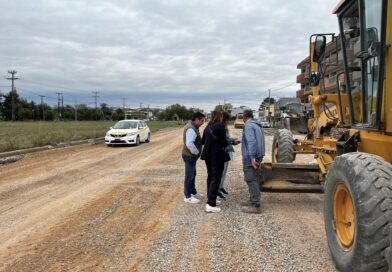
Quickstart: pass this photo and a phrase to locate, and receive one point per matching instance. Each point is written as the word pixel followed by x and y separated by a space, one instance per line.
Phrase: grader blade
pixel 291 178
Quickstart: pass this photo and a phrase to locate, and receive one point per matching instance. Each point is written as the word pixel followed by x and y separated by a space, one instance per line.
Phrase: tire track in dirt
pixel 78 196
pixel 63 180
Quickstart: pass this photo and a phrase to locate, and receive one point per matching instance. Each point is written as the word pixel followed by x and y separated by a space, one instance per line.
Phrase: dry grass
pixel 21 135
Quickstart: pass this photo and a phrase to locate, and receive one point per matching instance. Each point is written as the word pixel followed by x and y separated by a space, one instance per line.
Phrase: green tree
pixel 106 111
pixel 6 109
pixel 120 114
pixel 178 109
pixel 25 114
pixel 269 100
pixel 49 114
pixel 218 108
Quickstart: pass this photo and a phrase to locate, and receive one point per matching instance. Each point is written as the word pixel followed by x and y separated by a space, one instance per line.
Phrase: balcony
pixel 301 78
pixel 300 93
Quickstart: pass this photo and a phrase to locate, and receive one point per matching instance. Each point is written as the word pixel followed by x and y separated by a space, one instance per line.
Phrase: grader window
pixel 371 29
pixel 352 44
pixel 362 44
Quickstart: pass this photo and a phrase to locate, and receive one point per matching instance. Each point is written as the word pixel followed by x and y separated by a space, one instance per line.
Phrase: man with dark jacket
pixel 191 152
pixel 253 151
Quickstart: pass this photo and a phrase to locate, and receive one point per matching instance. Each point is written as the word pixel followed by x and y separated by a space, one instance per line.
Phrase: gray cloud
pixel 160 52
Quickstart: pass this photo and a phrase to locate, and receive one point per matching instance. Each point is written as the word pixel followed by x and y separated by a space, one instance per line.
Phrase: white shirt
pixel 190 138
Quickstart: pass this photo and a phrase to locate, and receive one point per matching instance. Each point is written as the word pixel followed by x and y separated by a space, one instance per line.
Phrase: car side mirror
pixel 319 48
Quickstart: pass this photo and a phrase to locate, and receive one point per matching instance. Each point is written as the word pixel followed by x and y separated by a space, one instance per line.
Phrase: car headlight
pixel 131 133
pixel 107 134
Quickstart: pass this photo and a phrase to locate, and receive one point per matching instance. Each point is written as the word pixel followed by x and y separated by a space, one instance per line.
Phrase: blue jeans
pixel 190 176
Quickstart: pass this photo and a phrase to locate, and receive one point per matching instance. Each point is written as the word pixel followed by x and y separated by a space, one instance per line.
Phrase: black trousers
pixel 214 176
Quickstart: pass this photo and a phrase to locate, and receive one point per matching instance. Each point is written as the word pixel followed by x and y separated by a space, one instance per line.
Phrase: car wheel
pixel 137 140
pixel 148 138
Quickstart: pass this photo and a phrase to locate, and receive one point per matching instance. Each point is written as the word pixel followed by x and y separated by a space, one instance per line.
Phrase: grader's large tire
pixel 283 146
pixel 358 212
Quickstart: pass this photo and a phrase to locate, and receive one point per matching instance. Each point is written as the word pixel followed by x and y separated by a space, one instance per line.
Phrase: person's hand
pixel 255 164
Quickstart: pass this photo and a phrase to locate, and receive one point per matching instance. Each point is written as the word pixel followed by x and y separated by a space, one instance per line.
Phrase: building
pixel 333 59
pixel 238 110
pixel 266 111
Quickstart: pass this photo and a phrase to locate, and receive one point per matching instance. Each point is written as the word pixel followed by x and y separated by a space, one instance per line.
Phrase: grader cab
pixel 351 139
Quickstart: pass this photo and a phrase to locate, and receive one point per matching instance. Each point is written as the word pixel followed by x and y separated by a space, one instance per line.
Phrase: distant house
pixel 266 111
pixel 239 110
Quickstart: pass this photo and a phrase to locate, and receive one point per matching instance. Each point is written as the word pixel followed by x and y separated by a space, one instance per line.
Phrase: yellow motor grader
pixel 351 139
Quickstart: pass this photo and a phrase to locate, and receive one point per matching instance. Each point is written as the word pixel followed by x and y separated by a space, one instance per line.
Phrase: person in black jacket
pixel 215 156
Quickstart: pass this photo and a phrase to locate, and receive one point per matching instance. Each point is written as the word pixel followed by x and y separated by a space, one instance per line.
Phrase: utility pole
pixel 76 111
pixel 123 99
pixel 269 105
pixel 62 104
pixel 13 78
pixel 42 107
pixel 58 104
pixel 96 103
pixel 141 104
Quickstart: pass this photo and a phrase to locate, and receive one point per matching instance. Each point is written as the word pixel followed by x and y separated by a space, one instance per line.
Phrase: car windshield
pixel 125 125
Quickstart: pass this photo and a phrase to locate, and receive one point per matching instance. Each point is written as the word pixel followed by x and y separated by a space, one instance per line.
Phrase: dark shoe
pixel 224 191
pixel 251 209
pixel 221 197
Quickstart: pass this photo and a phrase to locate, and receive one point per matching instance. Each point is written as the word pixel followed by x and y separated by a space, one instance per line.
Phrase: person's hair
pixel 197 115
pixel 216 117
pixel 248 113
pixel 225 119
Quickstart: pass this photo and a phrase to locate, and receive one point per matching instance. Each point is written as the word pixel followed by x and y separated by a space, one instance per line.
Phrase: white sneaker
pixel 198 195
pixel 211 209
pixel 191 200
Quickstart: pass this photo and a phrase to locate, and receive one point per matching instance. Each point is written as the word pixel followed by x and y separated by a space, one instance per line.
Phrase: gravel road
pixel 94 208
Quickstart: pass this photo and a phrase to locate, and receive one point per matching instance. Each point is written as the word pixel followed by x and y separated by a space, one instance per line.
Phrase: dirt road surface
pixel 94 208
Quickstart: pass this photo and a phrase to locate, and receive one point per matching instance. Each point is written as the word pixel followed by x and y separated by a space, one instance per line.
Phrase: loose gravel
pixel 287 236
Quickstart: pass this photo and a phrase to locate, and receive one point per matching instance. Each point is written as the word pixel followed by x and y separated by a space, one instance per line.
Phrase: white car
pixel 128 132
pixel 264 124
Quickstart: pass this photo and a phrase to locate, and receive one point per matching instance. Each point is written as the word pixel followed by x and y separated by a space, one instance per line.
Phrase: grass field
pixel 21 135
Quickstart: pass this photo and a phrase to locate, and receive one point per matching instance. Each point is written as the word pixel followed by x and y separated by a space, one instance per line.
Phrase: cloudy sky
pixel 196 53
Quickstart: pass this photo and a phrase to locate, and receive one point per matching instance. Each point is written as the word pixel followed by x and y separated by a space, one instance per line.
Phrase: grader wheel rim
pixel 344 216
pixel 276 151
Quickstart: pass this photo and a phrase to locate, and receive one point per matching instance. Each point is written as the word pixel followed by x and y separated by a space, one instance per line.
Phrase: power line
pixel 284 87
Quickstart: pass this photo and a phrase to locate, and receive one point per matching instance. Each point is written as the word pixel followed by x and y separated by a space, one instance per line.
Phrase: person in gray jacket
pixel 253 151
